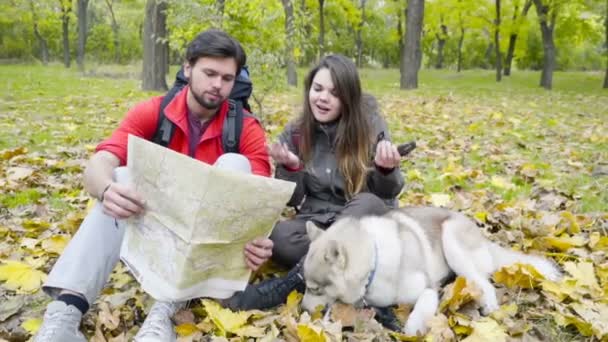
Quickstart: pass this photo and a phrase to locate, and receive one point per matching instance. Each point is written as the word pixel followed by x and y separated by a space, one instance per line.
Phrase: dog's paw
pixel 414 327
pixel 489 305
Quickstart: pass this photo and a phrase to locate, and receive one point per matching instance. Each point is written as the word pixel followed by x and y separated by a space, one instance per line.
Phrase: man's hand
pixel 257 252
pixel 387 156
pixel 121 201
pixel 282 155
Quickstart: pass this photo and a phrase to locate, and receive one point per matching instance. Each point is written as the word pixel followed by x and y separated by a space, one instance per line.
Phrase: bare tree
pixel 82 32
pixel 412 53
pixel 513 35
pixel 358 38
pixel 155 46
pixel 497 42
pixel 44 48
pixel 66 8
pixel 115 28
pixel 547 18
pixel 321 29
pixel 292 76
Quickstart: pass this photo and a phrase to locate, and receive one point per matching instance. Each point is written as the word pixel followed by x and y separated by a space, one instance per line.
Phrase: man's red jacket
pixel 142 121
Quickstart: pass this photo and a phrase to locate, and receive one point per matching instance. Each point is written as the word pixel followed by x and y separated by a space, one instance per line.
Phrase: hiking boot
pixel 158 326
pixel 269 293
pixel 61 323
pixel 386 316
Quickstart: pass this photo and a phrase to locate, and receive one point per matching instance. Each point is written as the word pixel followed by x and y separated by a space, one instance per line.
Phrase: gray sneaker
pixel 158 326
pixel 61 323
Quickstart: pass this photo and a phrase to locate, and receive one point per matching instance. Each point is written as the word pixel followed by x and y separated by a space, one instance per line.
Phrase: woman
pixel 339 155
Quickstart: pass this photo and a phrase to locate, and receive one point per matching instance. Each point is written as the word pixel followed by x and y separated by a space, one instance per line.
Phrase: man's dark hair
pixel 216 43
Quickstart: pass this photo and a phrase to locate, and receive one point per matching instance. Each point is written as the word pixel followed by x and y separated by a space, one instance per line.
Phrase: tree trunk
pixel 115 29
pixel 401 37
pixel 606 25
pixel 359 39
pixel 412 52
pixel 460 43
pixel 44 48
pixel 546 28
pixel 292 76
pixel 441 39
pixel 66 8
pixel 513 37
pixel 321 30
pixel 497 42
pixel 82 32
pixel 155 46
pixel 221 5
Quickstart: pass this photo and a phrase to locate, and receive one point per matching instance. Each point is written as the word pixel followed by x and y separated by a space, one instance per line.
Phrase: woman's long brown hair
pixel 353 138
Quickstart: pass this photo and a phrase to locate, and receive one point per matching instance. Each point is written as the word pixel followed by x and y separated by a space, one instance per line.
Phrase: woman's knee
pixel 365 203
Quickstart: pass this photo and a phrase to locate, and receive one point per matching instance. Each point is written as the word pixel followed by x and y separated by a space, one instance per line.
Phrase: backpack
pixel 233 125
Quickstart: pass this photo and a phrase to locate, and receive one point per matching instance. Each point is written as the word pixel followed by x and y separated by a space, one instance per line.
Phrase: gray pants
pixel 291 241
pixel 87 261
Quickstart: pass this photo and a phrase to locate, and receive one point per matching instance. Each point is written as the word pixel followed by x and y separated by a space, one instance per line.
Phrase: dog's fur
pixel 402 257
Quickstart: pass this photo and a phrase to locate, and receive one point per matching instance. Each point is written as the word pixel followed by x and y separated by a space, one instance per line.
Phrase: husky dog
pixel 402 257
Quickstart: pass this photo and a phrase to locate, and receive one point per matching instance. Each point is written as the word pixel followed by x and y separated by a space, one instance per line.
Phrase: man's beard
pixel 204 103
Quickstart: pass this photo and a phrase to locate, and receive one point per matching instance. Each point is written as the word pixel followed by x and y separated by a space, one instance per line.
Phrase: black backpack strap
pixel 233 125
pixel 165 128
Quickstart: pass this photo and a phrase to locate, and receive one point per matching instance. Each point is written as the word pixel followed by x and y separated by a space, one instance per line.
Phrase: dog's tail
pixel 506 257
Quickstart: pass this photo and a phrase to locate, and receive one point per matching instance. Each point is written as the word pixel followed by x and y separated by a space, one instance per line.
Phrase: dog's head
pixel 330 266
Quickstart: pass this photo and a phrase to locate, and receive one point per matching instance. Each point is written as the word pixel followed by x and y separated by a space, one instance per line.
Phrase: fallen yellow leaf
pixel 486 329
pixel 521 275
pixel 55 244
pixel 32 325
pixel 583 273
pixel 458 293
pixel 186 329
pixel 225 319
pixel 308 334
pixel 21 277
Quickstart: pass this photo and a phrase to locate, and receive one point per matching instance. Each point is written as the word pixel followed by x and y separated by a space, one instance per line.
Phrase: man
pixel 213 59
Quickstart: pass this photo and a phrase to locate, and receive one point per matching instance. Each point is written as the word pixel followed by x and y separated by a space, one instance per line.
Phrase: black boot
pixel 386 316
pixel 269 293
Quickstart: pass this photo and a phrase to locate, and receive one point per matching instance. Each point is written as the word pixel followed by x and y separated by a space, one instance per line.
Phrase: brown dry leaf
pixel 108 318
pixel 183 316
pixel 348 315
pixel 439 329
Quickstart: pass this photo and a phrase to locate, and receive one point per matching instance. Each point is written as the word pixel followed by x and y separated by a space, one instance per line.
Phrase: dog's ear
pixel 313 231
pixel 335 254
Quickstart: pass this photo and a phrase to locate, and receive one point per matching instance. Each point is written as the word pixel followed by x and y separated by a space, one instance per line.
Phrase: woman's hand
pixel 282 155
pixel 387 156
pixel 257 252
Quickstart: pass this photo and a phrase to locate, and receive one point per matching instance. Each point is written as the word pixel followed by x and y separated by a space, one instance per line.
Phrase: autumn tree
pixel 321 29
pixel 547 17
pixel 412 54
pixel 44 49
pixel 515 26
pixel 497 42
pixel 155 64
pixel 82 32
pixel 606 45
pixel 292 76
pixel 66 9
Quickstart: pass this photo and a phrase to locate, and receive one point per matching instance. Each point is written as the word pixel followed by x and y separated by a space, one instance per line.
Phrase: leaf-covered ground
pixel 530 166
